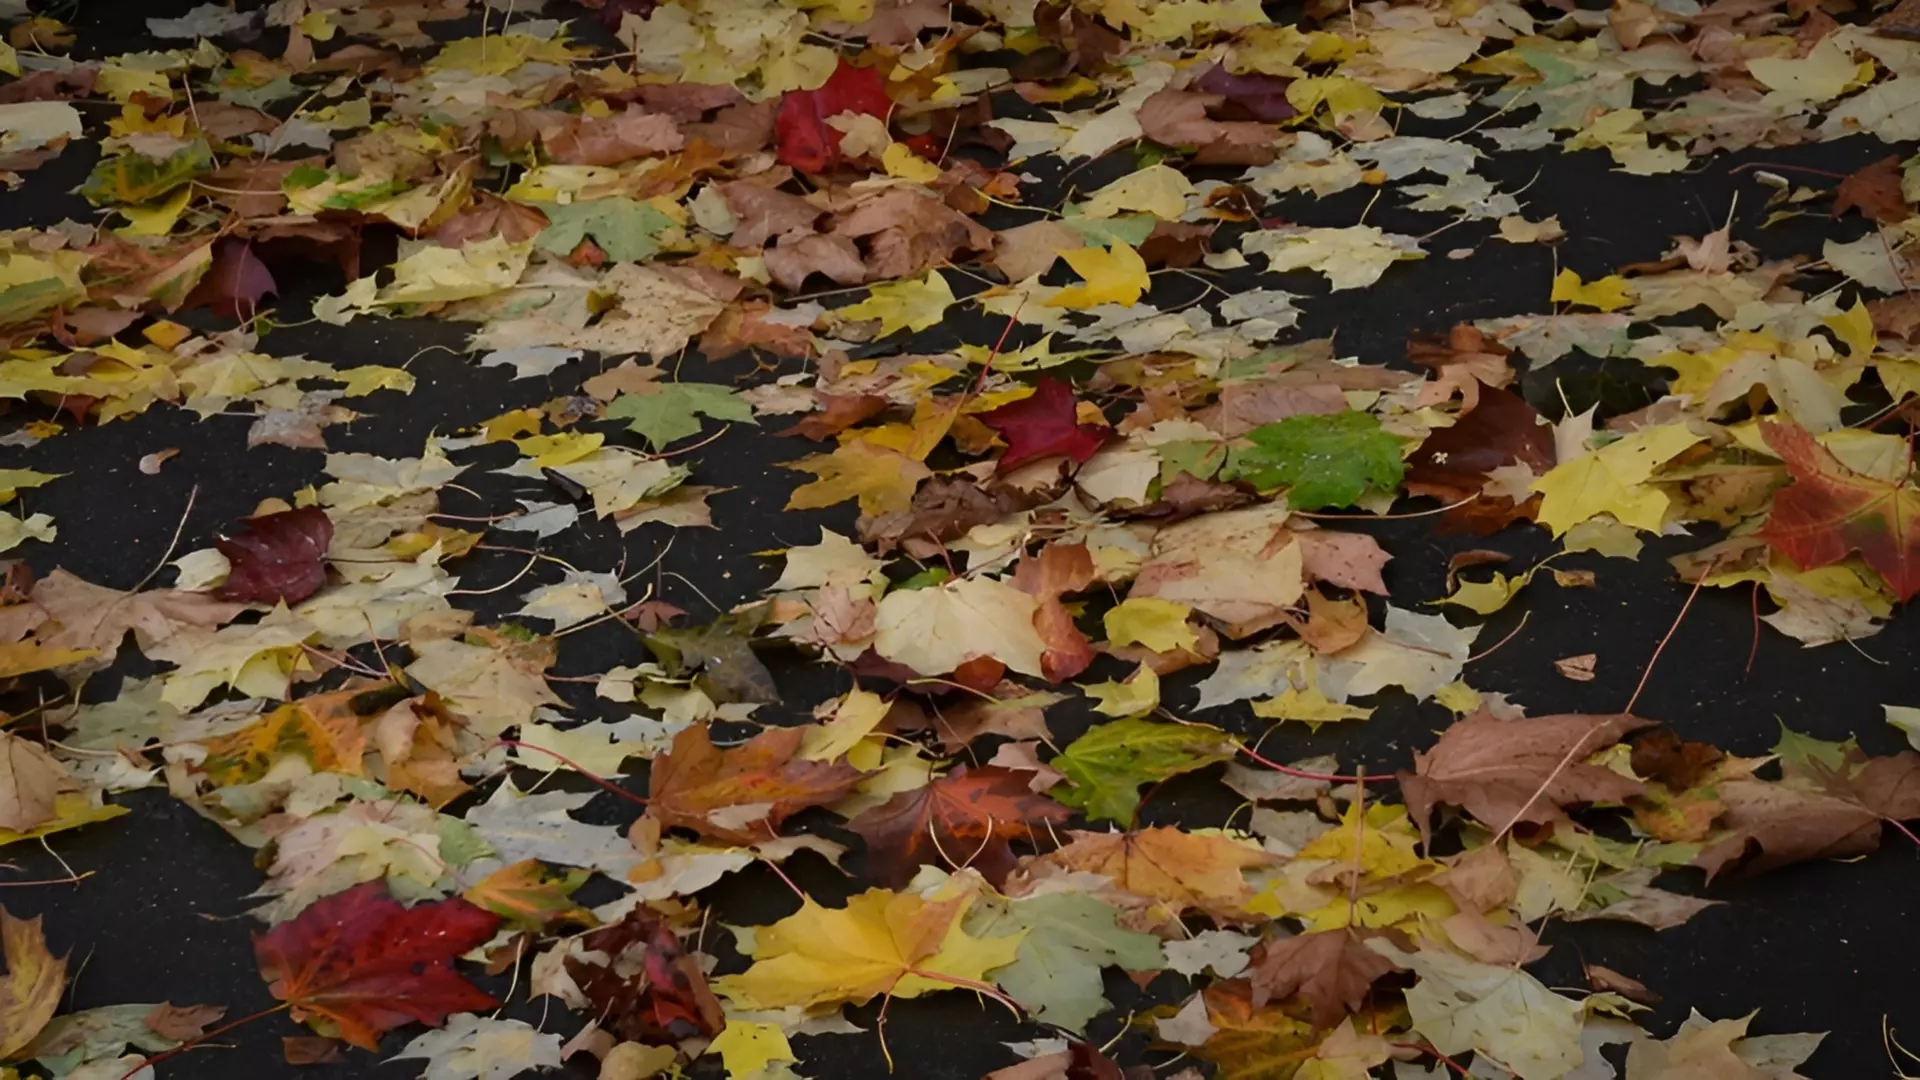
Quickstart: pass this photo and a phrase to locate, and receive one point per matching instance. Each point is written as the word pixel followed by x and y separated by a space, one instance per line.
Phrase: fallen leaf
pixel 1333 970
pixel 281 558
pixel 30 991
pixel 1106 767
pixel 966 815
pixel 743 793
pixel 357 964
pixel 1513 772
pixel 1831 511
pixel 1043 425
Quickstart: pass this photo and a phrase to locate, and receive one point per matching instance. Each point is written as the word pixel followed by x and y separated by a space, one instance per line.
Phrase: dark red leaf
pixel 642 984
pixel 361 964
pixel 803 139
pixel 1263 96
pixel 965 816
pixel 281 557
pixel 1045 425
pixel 1501 429
pixel 1875 192
pixel 235 283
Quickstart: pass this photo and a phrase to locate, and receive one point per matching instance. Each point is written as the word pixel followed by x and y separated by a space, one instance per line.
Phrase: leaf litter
pixel 1175 485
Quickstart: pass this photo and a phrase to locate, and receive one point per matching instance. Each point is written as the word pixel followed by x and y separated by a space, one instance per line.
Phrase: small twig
pixel 1677 619
pixel 148 1063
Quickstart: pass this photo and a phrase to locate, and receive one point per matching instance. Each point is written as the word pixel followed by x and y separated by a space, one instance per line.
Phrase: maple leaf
pixel 741 794
pixel 804 140
pixel 1106 767
pixel 642 983
pixel 1322 461
pixel 626 230
pixel 1333 970
pixel 281 558
pixel 1455 462
pixel 1829 804
pixel 1170 869
pixel 883 480
pixel 30 990
pixel 940 628
pixel 32 783
pixel 966 814
pixel 358 964
pixel 323 730
pixel 1115 274
pixel 899 944
pixel 1247 1041
pixel 665 413
pixel 1830 511
pixel 483 1048
pixel 1719 1050
pixel 1068 939
pixel 531 895
pixel 1045 424
pixel 1462 1005
pixel 1512 772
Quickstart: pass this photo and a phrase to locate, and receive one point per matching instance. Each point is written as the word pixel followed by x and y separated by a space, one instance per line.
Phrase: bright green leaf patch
pixel 673 410
pixel 1106 767
pixel 1322 461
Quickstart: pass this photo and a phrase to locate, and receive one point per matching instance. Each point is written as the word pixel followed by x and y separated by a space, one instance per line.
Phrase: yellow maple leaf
pixel 900 160
pixel 1160 625
pixel 30 994
pixel 1613 480
pixel 747 1046
pixel 904 305
pixel 882 942
pixel 1609 293
pixel 883 480
pixel 1113 275
pixel 1308 706
pixel 1137 696
pixel 22 657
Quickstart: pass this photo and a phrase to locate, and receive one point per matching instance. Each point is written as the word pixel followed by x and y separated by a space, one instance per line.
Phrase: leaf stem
pixel 204 1036
pixel 574 765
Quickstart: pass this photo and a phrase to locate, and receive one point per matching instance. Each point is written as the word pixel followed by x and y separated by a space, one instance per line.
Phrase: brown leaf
pixel 944 508
pixel 1177 244
pixel 1333 970
pixel 1343 559
pixel 1026 250
pixel 1896 316
pixel 1179 118
pixel 1454 462
pixel 30 781
pixel 1608 981
pixel 311 1049
pixel 1662 756
pixel 740 795
pixel 490 215
pixel 1331 625
pixel 746 325
pixel 1168 869
pixel 838 413
pixel 1875 192
pixel 796 258
pixel 611 140
pixel 1508 772
pixel 763 213
pixel 1578 668
pixel 183 1022
pixel 964 818
pixel 906 232
pixel 1058 569
pixel 1480 880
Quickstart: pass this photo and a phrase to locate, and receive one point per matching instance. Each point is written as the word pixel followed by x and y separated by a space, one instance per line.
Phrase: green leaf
pixel 135 178
pixel 1056 973
pixel 1323 461
pixel 305 176
pixel 1106 766
pixel 1129 229
pixel 1805 750
pixel 626 230
pixel 672 411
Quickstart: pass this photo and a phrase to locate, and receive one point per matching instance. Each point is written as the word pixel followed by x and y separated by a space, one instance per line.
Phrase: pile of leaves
pixel 1138 473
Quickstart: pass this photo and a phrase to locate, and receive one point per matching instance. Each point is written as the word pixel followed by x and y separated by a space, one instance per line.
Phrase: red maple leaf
pixel 280 557
pixel 1045 424
pixel 363 964
pixel 741 794
pixel 963 818
pixel 1830 512
pixel 802 137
